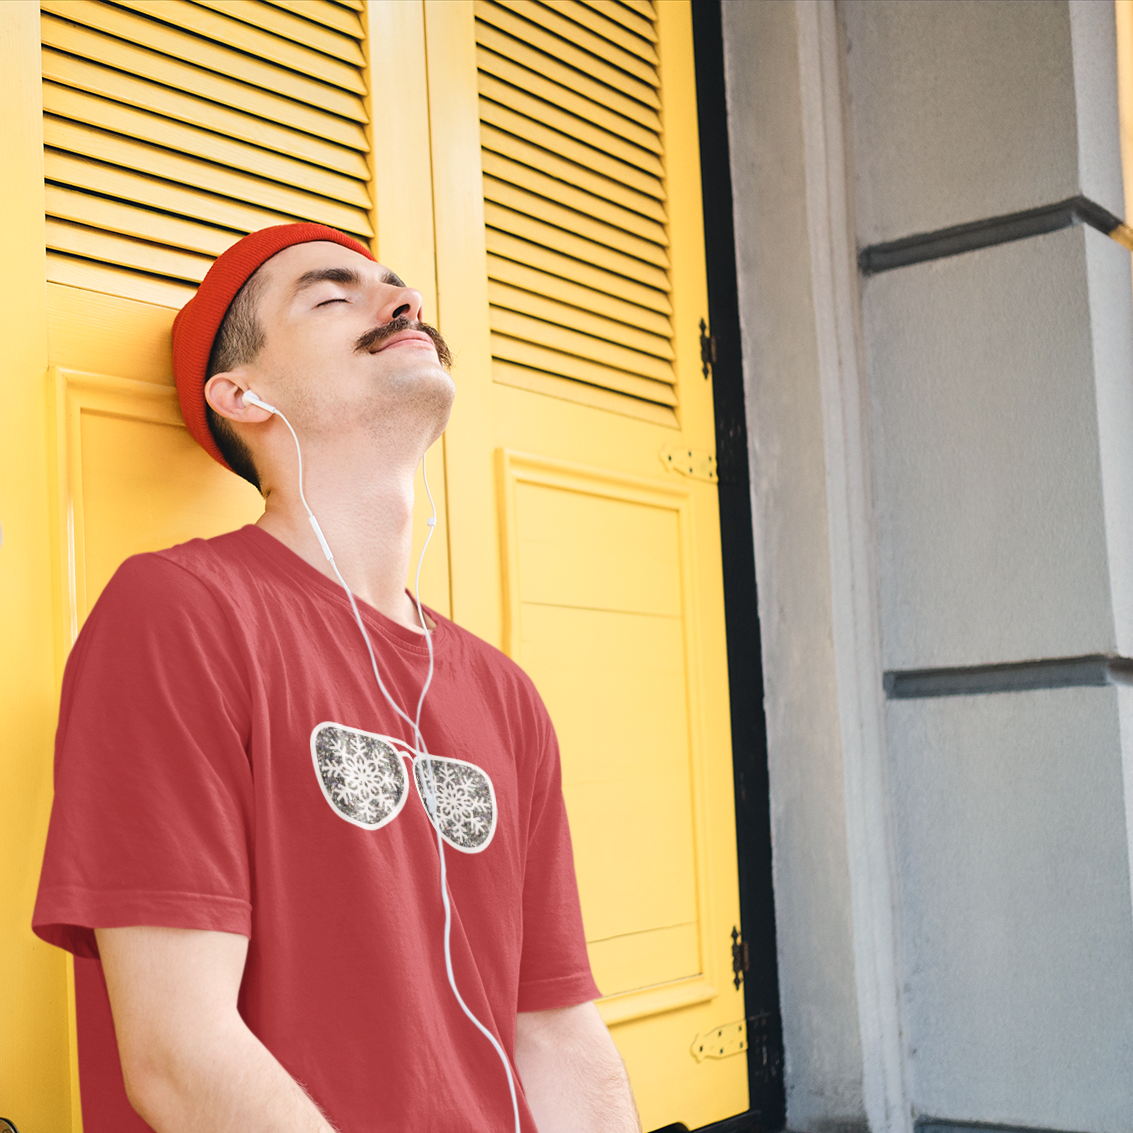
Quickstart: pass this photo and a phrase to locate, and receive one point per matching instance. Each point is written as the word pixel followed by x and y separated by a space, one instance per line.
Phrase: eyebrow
pixel 346 276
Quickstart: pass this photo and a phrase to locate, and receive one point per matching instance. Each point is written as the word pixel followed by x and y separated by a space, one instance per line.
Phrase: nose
pixel 397 302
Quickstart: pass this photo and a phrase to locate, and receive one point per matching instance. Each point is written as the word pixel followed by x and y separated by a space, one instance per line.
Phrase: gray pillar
pixel 822 1047
pixel 994 391
pixel 1000 387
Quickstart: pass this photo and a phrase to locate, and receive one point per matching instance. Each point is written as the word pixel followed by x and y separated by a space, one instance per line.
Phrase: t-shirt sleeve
pixel 555 968
pixel 152 816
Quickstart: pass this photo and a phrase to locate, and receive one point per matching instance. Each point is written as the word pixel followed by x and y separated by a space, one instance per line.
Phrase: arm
pixel 188 1059
pixel 572 1074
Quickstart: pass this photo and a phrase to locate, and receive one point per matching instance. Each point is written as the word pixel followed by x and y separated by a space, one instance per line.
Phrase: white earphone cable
pixel 419 740
pixel 432 522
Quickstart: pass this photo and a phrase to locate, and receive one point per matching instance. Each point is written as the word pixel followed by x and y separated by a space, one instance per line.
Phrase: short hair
pixel 239 339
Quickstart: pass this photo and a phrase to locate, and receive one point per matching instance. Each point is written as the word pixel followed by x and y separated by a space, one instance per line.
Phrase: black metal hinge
pixel 756 1034
pixel 707 350
pixel 765 1049
pixel 740 962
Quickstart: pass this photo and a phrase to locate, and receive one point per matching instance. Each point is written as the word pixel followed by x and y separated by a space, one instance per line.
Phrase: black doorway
pixel 756 952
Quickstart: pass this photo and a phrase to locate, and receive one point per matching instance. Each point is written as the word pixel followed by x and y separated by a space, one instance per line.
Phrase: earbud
pixel 255 399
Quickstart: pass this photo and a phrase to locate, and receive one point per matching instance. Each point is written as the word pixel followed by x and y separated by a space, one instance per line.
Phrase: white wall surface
pixel 812 886
pixel 991 524
pixel 1018 930
pixel 1000 384
pixel 967 109
pixel 1094 49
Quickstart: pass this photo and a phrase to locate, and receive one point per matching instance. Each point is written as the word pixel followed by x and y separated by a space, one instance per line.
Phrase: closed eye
pixel 337 299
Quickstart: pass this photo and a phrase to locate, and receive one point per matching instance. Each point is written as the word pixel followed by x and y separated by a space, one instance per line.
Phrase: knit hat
pixel 196 324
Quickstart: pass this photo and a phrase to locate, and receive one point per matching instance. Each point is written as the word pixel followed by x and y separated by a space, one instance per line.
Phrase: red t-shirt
pixel 224 761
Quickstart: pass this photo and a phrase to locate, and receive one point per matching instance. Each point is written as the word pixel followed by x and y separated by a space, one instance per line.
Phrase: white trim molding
pixel 853 571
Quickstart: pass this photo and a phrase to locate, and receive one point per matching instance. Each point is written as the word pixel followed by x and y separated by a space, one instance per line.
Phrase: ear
pixel 225 393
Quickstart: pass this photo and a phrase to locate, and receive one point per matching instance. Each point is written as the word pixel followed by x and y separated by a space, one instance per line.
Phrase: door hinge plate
pixel 693 463
pixel 721 1043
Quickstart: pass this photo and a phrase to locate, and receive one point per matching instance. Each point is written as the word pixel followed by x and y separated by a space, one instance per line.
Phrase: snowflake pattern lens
pixel 466 803
pixel 362 776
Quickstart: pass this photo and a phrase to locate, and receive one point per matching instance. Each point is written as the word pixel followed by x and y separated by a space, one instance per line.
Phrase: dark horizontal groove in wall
pixel 1093 671
pixel 928 1125
pixel 984 233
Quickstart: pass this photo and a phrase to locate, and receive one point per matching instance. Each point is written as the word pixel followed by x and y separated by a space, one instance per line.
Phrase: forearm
pixel 572 1075
pixel 188 1059
pixel 226 1081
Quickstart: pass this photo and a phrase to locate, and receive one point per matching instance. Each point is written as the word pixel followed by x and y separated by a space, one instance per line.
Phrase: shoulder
pixel 193 575
pixel 216 561
pixel 165 600
pixel 164 630
pixel 487 661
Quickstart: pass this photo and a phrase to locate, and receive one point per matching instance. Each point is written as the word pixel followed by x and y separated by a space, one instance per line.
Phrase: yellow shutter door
pixel 572 286
pixel 166 130
pixel 575 285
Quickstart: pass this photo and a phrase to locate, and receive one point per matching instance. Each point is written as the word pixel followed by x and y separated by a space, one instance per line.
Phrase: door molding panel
pixel 180 493
pixel 579 589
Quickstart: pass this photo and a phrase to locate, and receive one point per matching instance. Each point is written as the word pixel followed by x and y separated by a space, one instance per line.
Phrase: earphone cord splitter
pixel 415 724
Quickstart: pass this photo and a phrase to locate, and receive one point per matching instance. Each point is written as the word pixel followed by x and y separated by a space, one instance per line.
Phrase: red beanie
pixel 196 324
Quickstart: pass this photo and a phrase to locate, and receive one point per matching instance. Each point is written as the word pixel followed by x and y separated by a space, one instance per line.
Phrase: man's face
pixel 344 345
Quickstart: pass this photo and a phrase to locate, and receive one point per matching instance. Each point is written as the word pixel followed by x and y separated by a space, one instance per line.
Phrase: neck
pixel 365 515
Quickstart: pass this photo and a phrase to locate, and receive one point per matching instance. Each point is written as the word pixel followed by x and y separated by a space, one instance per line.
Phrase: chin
pixel 438 392
pixel 418 403
pixel 445 399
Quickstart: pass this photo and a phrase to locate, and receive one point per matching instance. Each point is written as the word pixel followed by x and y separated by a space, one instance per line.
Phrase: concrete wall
pixel 1018 942
pixel 996 409
pixel 985 379
pixel 991 518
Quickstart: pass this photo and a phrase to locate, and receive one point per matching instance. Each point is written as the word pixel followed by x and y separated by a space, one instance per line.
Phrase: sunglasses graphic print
pixel 364 779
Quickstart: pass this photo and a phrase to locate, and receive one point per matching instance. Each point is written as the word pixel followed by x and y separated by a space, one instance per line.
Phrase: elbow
pixel 151 1070
pixel 145 1086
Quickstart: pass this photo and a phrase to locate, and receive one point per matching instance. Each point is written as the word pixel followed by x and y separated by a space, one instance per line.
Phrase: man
pixel 242 827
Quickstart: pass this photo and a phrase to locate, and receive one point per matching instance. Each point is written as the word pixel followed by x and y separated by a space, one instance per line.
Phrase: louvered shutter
pixel 171 128
pixel 574 198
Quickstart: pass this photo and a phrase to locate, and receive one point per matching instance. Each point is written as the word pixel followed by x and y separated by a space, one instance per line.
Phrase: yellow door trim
pixel 462 297
pixel 38 1066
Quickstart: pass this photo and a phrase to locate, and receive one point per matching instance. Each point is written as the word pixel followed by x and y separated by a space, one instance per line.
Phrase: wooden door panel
pixel 623 556
pixel 599 613
pixel 597 620
pixel 167 130
pixel 610 593
pixel 652 957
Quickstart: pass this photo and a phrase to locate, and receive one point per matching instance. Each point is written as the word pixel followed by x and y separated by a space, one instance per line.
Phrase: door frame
pixel 766 1089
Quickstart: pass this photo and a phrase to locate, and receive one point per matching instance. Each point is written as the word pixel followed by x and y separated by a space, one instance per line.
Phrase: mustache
pixel 375 336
